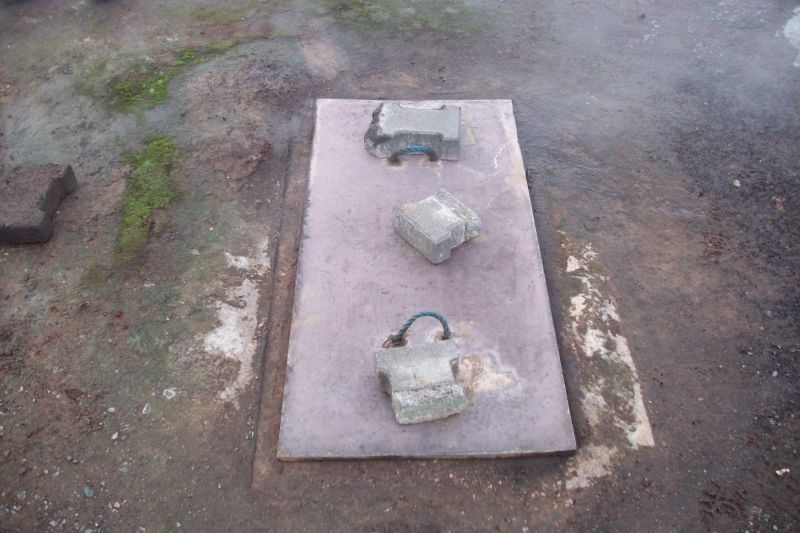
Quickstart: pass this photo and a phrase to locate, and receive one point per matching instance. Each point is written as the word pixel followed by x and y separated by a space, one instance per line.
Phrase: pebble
pixel 114 436
pixel 146 409
pixel 169 393
pixel 111 410
pixel 88 491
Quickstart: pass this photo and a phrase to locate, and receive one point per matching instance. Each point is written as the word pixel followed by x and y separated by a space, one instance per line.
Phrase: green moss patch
pixel 146 84
pixel 449 16
pixel 217 15
pixel 149 189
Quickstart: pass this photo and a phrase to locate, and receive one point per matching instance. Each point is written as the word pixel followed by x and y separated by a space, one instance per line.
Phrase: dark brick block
pixel 29 197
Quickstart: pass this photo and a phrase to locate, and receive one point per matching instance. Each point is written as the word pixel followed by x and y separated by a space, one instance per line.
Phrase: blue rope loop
pixel 419 149
pixel 415 149
pixel 398 339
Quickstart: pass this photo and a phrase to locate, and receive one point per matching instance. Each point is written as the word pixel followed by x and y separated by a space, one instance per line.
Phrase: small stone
pixel 737 183
pixel 111 410
pixel 146 409
pixel 116 505
pixel 88 491
pixel 114 436
pixel 169 393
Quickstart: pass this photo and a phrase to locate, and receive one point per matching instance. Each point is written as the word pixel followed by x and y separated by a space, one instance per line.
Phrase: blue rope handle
pixel 398 339
pixel 419 149
pixel 415 149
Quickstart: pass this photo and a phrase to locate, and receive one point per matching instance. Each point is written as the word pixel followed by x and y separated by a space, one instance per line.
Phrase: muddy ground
pixel 142 391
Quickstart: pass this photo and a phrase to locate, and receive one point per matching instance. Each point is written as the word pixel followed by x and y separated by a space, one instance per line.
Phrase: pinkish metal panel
pixel 358 281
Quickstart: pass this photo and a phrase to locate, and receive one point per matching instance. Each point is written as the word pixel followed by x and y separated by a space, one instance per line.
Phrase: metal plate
pixel 358 281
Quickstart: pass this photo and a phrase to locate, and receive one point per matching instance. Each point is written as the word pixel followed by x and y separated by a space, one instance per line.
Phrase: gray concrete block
pixel 29 197
pixel 436 224
pixel 421 381
pixel 398 129
pixel 472 224
pixel 428 404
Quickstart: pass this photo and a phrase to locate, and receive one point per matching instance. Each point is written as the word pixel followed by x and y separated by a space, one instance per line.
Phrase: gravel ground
pixel 141 392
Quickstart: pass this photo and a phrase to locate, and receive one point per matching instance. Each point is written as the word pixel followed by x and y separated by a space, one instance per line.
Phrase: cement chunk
pixel 398 129
pixel 29 197
pixel 472 223
pixel 421 381
pixel 436 224
pixel 428 404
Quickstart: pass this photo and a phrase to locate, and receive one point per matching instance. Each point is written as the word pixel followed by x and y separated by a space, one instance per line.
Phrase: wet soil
pixel 662 138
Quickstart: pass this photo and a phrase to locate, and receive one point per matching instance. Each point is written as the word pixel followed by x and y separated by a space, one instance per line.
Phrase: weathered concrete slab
pixel 357 280
pixel 436 224
pixel 421 381
pixel 414 128
pixel 29 197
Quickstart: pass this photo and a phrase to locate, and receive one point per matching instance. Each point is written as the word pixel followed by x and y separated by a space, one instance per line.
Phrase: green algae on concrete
pixel 149 189
pixel 146 84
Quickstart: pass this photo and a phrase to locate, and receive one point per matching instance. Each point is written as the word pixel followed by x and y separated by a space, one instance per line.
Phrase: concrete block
pixel 398 129
pixel 29 197
pixel 436 224
pixel 421 381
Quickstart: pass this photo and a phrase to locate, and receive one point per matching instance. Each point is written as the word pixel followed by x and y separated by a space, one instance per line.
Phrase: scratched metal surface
pixel 357 282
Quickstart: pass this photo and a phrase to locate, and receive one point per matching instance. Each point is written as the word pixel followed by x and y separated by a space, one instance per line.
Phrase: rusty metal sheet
pixel 358 281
